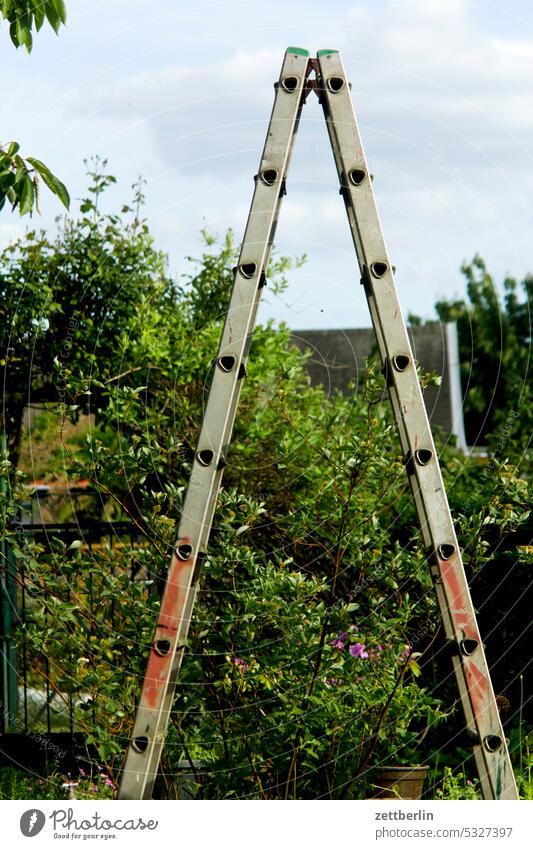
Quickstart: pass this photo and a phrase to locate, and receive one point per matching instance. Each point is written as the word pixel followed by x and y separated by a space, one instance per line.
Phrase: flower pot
pixel 400 782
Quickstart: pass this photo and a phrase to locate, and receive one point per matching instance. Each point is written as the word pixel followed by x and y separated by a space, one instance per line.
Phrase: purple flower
pixel 331 681
pixel 407 652
pixel 338 642
pixel 238 661
pixel 358 650
pixel 83 774
pixel 109 782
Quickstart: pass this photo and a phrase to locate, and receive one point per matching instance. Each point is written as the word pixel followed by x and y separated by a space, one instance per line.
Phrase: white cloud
pixel 444 111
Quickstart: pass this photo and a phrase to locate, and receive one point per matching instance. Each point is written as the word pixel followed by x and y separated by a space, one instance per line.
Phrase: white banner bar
pixel 264 825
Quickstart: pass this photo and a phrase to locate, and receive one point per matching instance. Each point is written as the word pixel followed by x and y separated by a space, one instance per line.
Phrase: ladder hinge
pixel 312 85
pixel 283 188
pixel 242 372
pixel 262 280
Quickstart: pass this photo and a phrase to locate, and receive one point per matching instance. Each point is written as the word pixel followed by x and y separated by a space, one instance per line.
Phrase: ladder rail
pixel 167 649
pixel 453 595
pixel 208 523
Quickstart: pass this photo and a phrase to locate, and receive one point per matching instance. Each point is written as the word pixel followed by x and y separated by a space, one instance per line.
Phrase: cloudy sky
pixel 182 93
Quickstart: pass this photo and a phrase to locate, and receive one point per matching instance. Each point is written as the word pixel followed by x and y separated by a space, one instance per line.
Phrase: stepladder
pixel 300 76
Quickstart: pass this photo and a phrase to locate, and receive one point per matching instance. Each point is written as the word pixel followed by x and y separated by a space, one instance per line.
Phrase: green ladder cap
pixel 325 52
pixel 299 50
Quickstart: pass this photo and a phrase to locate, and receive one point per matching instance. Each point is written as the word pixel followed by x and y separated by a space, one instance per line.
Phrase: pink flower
pixel 358 650
pixel 109 782
pixel 238 661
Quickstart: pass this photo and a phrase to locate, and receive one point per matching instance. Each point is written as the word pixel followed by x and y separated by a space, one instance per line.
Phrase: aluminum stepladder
pixel 456 609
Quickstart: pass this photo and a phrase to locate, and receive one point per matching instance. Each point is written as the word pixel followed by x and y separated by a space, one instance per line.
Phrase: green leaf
pixel 54 19
pixel 13 33
pixel 38 14
pixel 26 195
pixel 61 10
pixel 22 25
pixel 54 184
pixel 414 668
pixel 13 148
pixel 7 178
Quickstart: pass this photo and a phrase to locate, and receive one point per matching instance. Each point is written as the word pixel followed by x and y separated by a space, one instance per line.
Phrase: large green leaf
pixel 26 195
pixel 13 33
pixel 54 18
pixel 23 30
pixel 38 14
pixel 61 10
pixel 7 8
pixel 7 178
pixel 54 184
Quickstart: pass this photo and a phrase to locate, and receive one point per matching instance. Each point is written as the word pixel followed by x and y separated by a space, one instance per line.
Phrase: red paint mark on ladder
pixel 173 606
